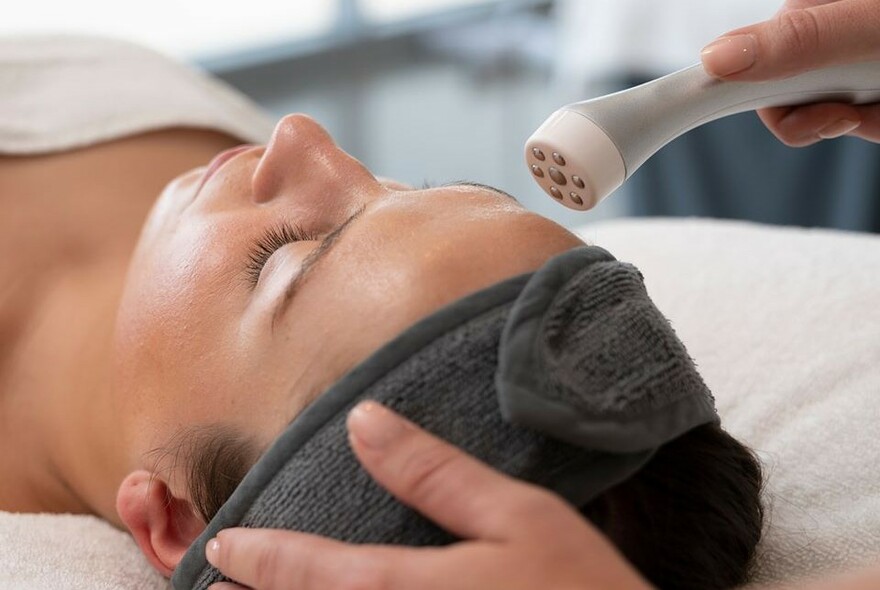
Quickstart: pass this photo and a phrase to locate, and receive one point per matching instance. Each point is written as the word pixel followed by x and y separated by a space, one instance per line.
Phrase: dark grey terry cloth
pixel 568 378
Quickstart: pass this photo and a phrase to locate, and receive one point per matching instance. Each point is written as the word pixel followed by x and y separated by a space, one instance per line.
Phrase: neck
pixel 61 444
pixel 60 441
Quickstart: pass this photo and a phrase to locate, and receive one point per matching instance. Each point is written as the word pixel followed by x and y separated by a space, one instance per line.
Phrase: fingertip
pixel 212 551
pixel 360 412
pixel 796 140
pixel 730 55
pixel 375 427
pixel 217 548
pixel 838 128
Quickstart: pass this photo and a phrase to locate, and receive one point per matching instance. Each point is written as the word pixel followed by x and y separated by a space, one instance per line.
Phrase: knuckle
pixel 796 141
pixel 268 567
pixel 789 141
pixel 365 575
pixel 308 573
pixel 535 509
pixel 799 30
pixel 422 472
pixel 293 118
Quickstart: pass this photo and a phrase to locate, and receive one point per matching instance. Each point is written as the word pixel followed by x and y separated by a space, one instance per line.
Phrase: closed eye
pixel 272 240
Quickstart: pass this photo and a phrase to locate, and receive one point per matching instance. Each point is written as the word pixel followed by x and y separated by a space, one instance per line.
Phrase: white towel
pixel 784 324
pixel 59 92
pixel 67 552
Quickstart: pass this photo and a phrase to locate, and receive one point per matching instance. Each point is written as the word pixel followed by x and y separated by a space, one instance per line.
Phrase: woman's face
pixel 256 286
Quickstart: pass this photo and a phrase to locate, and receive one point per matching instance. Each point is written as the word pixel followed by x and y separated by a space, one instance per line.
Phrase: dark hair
pixel 689 520
pixel 215 459
pixel 221 461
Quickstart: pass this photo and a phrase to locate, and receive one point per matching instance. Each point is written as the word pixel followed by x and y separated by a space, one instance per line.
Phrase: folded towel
pixel 59 92
pixel 70 552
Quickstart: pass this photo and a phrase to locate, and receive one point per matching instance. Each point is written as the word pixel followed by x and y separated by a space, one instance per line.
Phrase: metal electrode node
pixel 559 153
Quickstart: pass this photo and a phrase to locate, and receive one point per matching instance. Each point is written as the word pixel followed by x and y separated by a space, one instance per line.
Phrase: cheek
pixel 178 286
pixel 175 330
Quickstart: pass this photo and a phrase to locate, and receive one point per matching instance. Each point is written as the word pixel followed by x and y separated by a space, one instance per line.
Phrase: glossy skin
pixel 198 344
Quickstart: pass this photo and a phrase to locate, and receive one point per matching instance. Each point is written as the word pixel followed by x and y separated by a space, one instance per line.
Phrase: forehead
pixel 416 223
pixel 427 245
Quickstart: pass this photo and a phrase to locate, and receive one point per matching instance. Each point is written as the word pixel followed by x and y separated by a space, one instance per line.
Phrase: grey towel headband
pixel 568 377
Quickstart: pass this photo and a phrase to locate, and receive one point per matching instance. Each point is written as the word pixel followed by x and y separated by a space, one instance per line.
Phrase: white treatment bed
pixel 784 324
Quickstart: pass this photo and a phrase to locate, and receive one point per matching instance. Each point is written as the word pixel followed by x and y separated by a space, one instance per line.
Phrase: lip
pixel 219 160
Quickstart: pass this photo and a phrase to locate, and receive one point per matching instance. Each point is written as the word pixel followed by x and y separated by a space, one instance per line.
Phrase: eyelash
pixel 274 239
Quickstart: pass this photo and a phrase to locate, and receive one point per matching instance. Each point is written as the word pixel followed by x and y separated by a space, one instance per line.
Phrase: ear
pixel 162 525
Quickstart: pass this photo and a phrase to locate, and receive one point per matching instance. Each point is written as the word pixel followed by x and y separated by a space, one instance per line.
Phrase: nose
pixel 304 167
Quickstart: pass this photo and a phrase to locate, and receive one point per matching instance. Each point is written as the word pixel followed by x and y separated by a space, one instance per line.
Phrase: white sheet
pixel 784 325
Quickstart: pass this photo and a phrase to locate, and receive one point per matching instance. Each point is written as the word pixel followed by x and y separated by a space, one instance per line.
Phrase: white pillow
pixel 784 325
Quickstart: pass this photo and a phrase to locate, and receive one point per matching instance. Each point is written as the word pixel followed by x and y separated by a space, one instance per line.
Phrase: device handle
pixel 643 119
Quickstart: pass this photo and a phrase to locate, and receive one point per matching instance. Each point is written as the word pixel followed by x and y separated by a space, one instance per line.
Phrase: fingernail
pixel 730 55
pixel 212 549
pixel 374 425
pixel 838 128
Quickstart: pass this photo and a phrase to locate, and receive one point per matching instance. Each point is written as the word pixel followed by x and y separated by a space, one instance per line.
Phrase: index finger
pixel 451 488
pixel 265 559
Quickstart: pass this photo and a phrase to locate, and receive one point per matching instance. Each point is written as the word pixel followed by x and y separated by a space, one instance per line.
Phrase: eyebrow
pixel 487 187
pixel 324 248
pixel 313 258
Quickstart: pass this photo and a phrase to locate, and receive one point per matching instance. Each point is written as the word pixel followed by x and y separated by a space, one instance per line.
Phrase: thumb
pixel 797 40
pixel 455 490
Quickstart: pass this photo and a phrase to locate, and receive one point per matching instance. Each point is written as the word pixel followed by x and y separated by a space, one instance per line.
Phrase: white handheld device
pixel 586 150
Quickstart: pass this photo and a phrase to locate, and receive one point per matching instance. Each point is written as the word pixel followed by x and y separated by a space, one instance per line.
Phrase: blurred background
pixel 431 91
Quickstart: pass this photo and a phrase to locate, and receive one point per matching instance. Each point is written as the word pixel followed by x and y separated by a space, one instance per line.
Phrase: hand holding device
pixel 804 35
